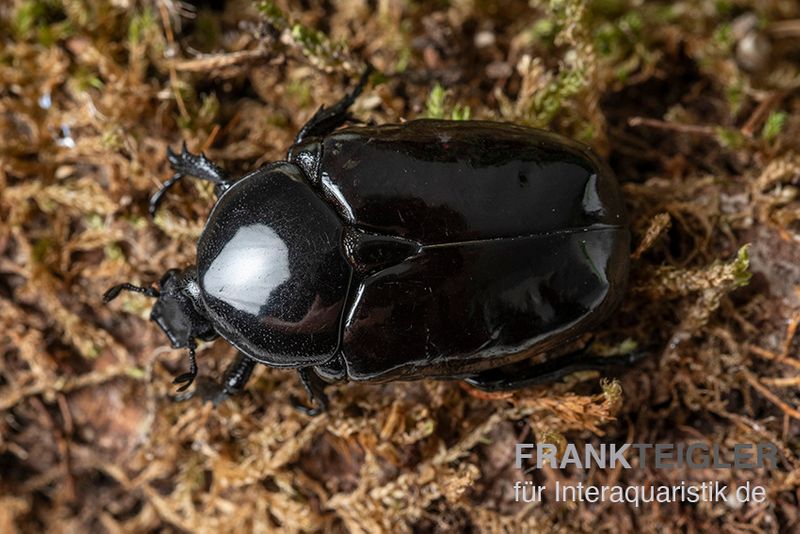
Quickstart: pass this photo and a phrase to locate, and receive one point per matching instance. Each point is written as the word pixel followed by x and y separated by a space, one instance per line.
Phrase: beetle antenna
pixel 114 292
pixel 189 377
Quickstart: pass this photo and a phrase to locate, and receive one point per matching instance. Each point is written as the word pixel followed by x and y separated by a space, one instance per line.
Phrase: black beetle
pixel 429 249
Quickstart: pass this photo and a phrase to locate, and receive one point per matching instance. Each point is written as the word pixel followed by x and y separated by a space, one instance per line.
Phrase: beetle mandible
pixel 428 249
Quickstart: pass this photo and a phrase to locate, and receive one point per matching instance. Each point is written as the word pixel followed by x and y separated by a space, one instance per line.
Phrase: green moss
pixel 137 222
pixel 606 39
pixel 428 427
pixel 774 125
pixel 665 13
pixel 137 305
pixel 33 15
pixel 278 120
pixel 631 23
pixel 49 34
pixel 94 221
pixel 434 105
pixel 612 391
pixel 608 8
pixel 377 78
pixel 403 59
pixel 274 15
pixel 543 30
pixel 209 109
pixel 741 267
pixel 723 7
pixel 141 26
pixel 460 113
pixel 41 247
pixel 313 43
pixel 136 373
pixel 114 252
pixel 309 38
pixel 300 92
pixel 587 133
pixel 111 139
pixel 723 36
pixel 619 38
pixel 730 137
pixel 548 102
pixel 734 94
pixel 185 122
pixel 623 348
pixel 84 79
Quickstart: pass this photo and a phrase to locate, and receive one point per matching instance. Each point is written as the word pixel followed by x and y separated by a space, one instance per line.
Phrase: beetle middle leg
pixel 189 164
pixel 235 378
pixel 526 373
pixel 315 388
pixel 326 120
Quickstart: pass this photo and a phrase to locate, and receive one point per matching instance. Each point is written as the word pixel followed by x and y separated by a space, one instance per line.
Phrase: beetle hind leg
pixel 188 164
pixel 526 373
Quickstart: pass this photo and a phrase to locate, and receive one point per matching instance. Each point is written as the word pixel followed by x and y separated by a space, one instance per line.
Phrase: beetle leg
pixel 233 382
pixel 525 373
pixel 188 164
pixel 238 373
pixel 187 378
pixel 326 120
pixel 316 393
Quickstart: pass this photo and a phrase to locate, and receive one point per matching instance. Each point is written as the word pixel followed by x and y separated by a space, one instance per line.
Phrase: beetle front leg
pixel 526 373
pixel 326 120
pixel 187 378
pixel 189 164
pixel 315 388
pixel 233 382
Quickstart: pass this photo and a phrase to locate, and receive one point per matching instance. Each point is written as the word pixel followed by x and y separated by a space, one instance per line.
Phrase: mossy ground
pixel 695 106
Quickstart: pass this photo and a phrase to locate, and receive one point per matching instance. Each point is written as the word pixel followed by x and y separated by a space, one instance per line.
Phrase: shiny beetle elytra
pixel 429 249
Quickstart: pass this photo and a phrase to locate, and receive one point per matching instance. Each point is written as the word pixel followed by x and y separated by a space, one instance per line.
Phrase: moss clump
pixel 437 106
pixel 774 125
pixel 93 93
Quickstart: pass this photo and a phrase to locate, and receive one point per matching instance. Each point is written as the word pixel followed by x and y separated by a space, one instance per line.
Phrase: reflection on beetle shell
pixel 248 268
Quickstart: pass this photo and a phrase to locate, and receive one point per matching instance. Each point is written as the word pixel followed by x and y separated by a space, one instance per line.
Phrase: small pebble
pixel 484 39
pixel 498 69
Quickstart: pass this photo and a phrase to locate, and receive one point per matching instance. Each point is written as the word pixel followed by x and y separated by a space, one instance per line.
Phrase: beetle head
pixel 177 311
pixel 178 308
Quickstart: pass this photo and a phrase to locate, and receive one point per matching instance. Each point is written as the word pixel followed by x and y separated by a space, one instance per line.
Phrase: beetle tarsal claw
pixel 298 405
pixel 187 378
